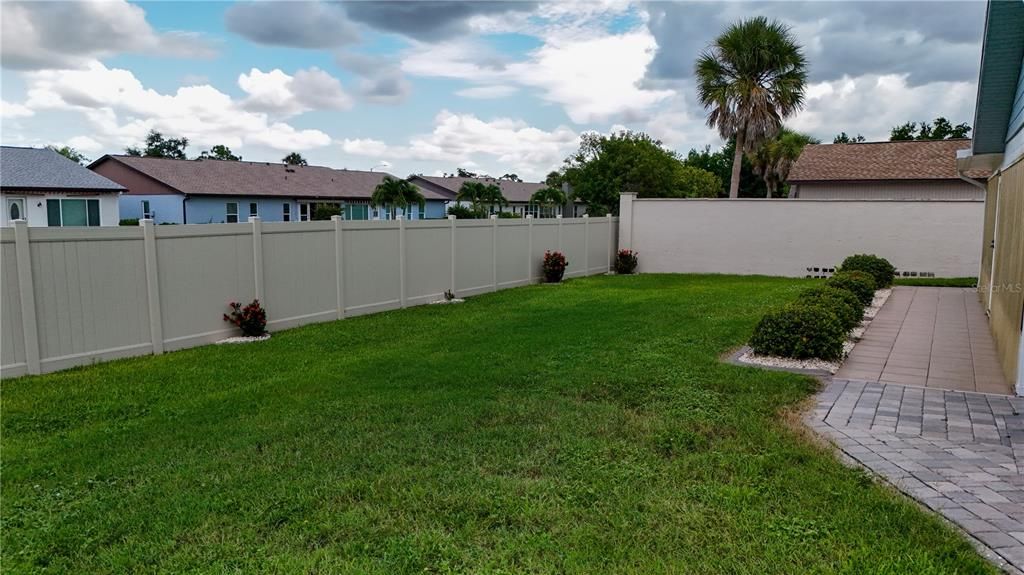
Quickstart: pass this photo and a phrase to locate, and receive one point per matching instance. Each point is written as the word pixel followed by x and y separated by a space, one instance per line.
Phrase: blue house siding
pixel 213 209
pixel 166 208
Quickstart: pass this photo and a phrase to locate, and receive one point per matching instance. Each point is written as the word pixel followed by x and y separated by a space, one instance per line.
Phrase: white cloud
pixel 871 105
pixel 11 110
pixel 281 95
pixel 594 78
pixel 504 144
pixel 121 111
pixel 488 92
pixel 37 35
pixel 85 144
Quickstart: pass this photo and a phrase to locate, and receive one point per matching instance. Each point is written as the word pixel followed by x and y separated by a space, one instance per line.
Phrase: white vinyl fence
pixel 795 237
pixel 76 296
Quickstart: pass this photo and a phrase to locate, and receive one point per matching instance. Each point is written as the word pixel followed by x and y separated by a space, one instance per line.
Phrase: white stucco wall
pixel 786 237
pixel 35 207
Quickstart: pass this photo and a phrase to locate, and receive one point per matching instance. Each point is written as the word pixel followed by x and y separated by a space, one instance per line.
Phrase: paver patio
pixel 929 337
pixel 922 402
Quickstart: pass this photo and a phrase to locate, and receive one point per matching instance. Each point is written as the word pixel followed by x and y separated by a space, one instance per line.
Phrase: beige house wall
pixel 937 190
pixel 1002 268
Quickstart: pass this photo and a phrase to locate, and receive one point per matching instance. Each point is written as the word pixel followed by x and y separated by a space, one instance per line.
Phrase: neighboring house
pixel 517 193
pixel 46 189
pixel 911 170
pixel 998 146
pixel 218 191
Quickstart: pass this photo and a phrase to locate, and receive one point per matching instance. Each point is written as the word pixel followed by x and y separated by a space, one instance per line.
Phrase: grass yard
pixel 584 428
pixel 937 282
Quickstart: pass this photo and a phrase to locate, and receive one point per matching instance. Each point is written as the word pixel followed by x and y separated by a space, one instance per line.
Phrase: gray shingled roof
pixel 513 191
pixel 219 177
pixel 43 169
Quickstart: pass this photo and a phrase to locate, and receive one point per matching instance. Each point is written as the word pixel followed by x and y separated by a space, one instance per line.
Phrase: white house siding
pixel 35 207
pixel 938 190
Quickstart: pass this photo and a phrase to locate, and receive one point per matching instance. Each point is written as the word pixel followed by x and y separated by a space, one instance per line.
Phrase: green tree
pixel 479 194
pixel 605 166
pixel 844 138
pixel 70 153
pixel 940 129
pixel 511 178
pixel 157 146
pixel 697 183
pixel 751 79
pixel 295 159
pixel 719 163
pixel 773 159
pixel 220 152
pixel 397 193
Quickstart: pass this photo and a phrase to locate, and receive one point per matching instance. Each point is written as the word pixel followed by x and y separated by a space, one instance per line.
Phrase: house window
pixel 146 213
pixel 305 212
pixel 16 209
pixel 232 212
pixel 286 212
pixel 357 212
pixel 72 212
pixel 254 209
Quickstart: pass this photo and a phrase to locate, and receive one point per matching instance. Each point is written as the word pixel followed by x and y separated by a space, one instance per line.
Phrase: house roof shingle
pixel 513 191
pixel 220 178
pixel 910 160
pixel 43 169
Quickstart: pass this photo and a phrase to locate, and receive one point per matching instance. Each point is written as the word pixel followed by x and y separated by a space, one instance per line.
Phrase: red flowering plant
pixel 625 262
pixel 554 266
pixel 251 319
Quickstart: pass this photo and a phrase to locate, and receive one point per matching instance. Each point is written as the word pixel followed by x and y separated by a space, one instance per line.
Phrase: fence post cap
pixel 337 218
pixel 608 215
pixel 529 216
pixel 145 222
pixel 494 216
pixel 558 217
pixel 586 215
pixel 451 217
pixel 254 218
pixel 399 218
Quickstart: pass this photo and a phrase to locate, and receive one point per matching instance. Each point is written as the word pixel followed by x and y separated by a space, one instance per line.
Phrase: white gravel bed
pixel 244 339
pixel 830 366
pixel 447 301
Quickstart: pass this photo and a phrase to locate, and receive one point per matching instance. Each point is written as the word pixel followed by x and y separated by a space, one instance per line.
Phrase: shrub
pixel 128 222
pixel 625 262
pixel 843 303
pixel 464 212
pixel 860 284
pixel 554 266
pixel 508 216
pixel 800 331
pixel 251 319
pixel 324 212
pixel 879 268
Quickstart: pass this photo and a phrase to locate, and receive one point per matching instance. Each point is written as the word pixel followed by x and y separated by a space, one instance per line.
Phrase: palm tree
pixel 773 159
pixel 492 196
pixel 749 80
pixel 395 192
pixel 480 194
pixel 549 197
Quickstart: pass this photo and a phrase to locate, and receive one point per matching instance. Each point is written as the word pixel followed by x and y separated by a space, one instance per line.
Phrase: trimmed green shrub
pixel 508 216
pixel 879 268
pixel 128 222
pixel 464 212
pixel 800 331
pixel 860 284
pixel 842 302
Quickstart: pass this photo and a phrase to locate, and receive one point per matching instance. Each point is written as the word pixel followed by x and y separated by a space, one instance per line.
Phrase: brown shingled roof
pixel 513 191
pixel 219 177
pixel 911 160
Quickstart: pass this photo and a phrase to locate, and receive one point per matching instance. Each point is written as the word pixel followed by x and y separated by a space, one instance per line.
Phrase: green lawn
pixel 586 428
pixel 937 282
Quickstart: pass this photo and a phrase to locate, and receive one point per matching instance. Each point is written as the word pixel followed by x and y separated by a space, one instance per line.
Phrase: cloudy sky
pixel 428 86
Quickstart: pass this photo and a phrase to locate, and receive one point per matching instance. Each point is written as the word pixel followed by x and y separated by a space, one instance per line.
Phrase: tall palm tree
pixel 480 194
pixel 749 80
pixel 395 192
pixel 773 159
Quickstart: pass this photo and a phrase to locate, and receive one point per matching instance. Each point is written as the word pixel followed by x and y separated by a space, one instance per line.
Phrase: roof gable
pixel 44 169
pixel 219 177
pixel 910 160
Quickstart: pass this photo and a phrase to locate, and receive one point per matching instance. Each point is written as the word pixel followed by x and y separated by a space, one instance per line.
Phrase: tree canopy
pixel 295 159
pixel 720 164
pixel 157 146
pixel 479 194
pixel 606 165
pixel 750 79
pixel 70 153
pixel 844 138
pixel 773 160
pixel 549 196
pixel 219 152
pixel 940 129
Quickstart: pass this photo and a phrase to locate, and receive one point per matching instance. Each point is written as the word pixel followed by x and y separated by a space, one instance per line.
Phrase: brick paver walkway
pixel 959 453
pixel 929 337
